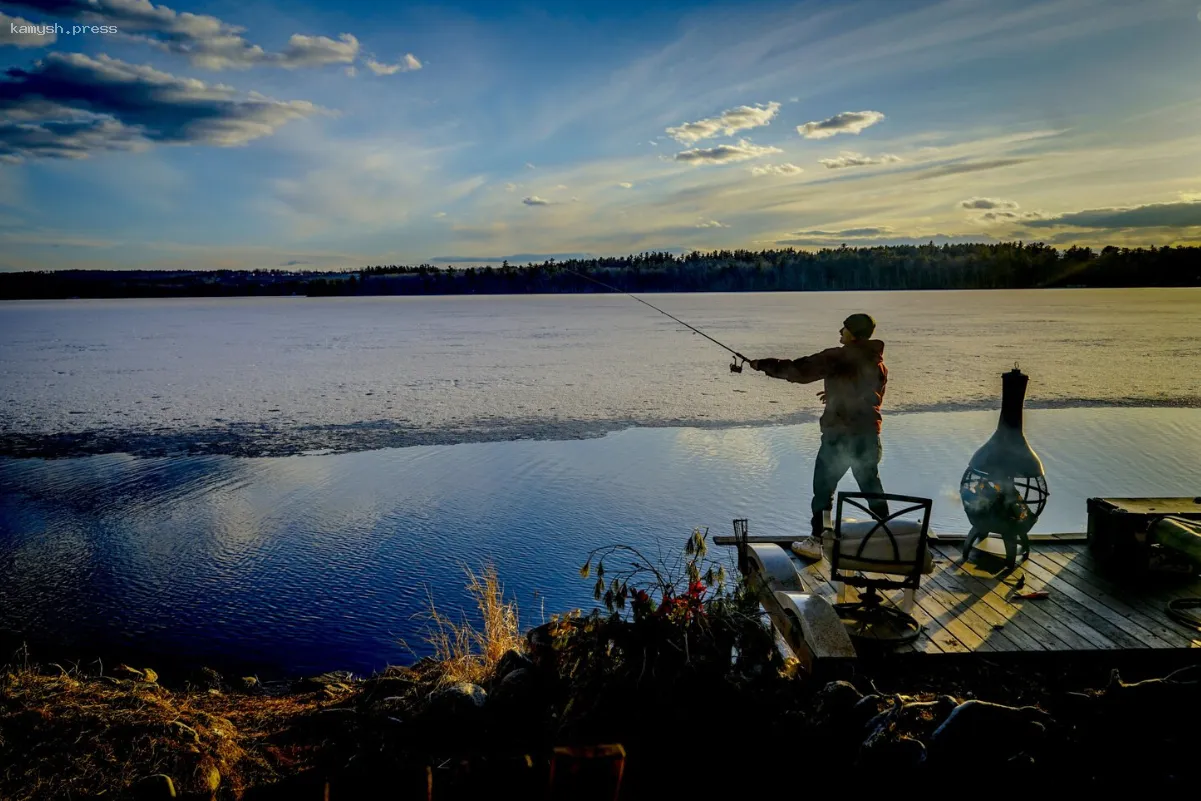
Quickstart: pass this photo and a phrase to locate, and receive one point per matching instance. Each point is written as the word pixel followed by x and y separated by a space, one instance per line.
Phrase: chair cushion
pixel 878 555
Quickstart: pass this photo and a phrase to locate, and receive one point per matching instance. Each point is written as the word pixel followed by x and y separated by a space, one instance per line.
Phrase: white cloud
pixel 848 158
pixel 317 51
pixel 407 64
pixel 777 169
pixel 511 187
pixel 851 122
pixel 987 203
pixel 534 200
pixel 439 215
pixel 729 122
pixel 561 186
pixel 43 37
pixel 206 41
pixel 626 185
pixel 1189 197
pixel 711 224
pixel 725 154
pixel 529 166
pixel 351 71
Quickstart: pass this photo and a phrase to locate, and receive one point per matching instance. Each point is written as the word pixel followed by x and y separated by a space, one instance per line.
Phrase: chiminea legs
pixel 1011 542
pixel 975 534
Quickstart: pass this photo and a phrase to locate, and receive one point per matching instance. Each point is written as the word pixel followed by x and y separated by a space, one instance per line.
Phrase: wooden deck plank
pixel 957 617
pixel 1150 609
pixel 1002 616
pixel 1165 592
pixel 1036 620
pixel 1138 624
pixel 1079 618
pixel 1099 616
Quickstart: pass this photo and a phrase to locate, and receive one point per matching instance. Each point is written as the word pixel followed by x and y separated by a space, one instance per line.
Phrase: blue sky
pixel 330 136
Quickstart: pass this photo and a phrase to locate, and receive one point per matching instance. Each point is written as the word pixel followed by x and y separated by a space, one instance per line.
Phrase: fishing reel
pixel 735 367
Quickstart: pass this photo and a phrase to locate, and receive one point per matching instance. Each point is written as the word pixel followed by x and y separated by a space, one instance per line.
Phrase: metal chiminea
pixel 1004 489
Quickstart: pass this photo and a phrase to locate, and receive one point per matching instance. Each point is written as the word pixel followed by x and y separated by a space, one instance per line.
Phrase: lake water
pixel 296 563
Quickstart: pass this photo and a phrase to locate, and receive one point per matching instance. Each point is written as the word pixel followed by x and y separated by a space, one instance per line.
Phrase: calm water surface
pixel 304 563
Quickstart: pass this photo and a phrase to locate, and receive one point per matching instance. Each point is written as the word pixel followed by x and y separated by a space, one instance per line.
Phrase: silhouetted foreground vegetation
pixel 1011 265
pixel 678 668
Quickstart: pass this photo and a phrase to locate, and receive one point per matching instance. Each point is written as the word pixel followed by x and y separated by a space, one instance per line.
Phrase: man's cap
pixel 861 326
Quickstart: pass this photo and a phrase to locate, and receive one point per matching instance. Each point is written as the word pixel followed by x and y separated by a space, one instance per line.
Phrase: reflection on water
pixel 317 562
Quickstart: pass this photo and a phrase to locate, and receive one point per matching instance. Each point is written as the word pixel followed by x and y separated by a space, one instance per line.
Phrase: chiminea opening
pixel 1004 489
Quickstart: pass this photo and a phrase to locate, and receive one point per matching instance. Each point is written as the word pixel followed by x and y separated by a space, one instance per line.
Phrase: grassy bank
pixel 677 667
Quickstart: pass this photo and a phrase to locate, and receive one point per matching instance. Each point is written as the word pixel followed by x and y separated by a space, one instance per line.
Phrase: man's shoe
pixel 808 548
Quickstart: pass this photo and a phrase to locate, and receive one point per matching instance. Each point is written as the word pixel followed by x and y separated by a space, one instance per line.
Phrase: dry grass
pixel 468 654
pixel 67 735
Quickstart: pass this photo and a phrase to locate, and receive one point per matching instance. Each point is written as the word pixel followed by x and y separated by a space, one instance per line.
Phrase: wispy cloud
pixel 847 232
pixel 786 168
pixel 987 203
pixel 1003 216
pixel 711 224
pixel 728 123
pixel 962 167
pixel 725 154
pixel 848 122
pixel 626 185
pixel 848 158
pixel 1151 215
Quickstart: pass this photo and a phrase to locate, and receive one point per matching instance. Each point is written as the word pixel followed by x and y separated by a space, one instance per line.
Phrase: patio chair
pixel 879 554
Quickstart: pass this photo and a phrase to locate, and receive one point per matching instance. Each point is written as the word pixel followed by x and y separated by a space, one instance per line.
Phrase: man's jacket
pixel 855 376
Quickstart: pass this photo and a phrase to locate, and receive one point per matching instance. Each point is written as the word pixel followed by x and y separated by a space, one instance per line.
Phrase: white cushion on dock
pixel 878 554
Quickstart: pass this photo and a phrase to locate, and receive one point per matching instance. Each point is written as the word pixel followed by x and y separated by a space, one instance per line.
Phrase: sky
pixel 308 135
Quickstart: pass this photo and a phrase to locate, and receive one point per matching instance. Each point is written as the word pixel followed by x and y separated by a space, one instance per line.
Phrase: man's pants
pixel 861 454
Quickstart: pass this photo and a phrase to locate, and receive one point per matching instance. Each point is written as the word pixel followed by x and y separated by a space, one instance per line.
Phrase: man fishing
pixel 854 376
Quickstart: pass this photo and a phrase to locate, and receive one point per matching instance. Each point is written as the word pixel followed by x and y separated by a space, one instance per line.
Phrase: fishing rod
pixel 735 367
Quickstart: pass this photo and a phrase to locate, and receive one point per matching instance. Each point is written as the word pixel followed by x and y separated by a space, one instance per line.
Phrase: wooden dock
pixel 973 609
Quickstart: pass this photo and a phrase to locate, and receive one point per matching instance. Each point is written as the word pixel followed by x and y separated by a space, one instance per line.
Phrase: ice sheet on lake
pixel 288 375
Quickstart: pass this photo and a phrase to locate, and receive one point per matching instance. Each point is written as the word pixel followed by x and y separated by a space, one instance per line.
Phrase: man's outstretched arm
pixel 804 370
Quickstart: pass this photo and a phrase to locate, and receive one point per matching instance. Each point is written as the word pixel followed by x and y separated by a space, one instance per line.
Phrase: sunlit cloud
pixel 711 224
pixel 206 41
pixel 848 122
pixel 626 185
pixel 848 158
pixel 407 64
pixel 776 169
pixel 725 154
pixel 727 123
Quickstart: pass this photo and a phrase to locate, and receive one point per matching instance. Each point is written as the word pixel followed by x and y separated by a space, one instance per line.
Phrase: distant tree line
pixel 1008 265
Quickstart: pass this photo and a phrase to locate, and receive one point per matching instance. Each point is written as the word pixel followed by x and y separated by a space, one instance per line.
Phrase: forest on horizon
pixel 1009 265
